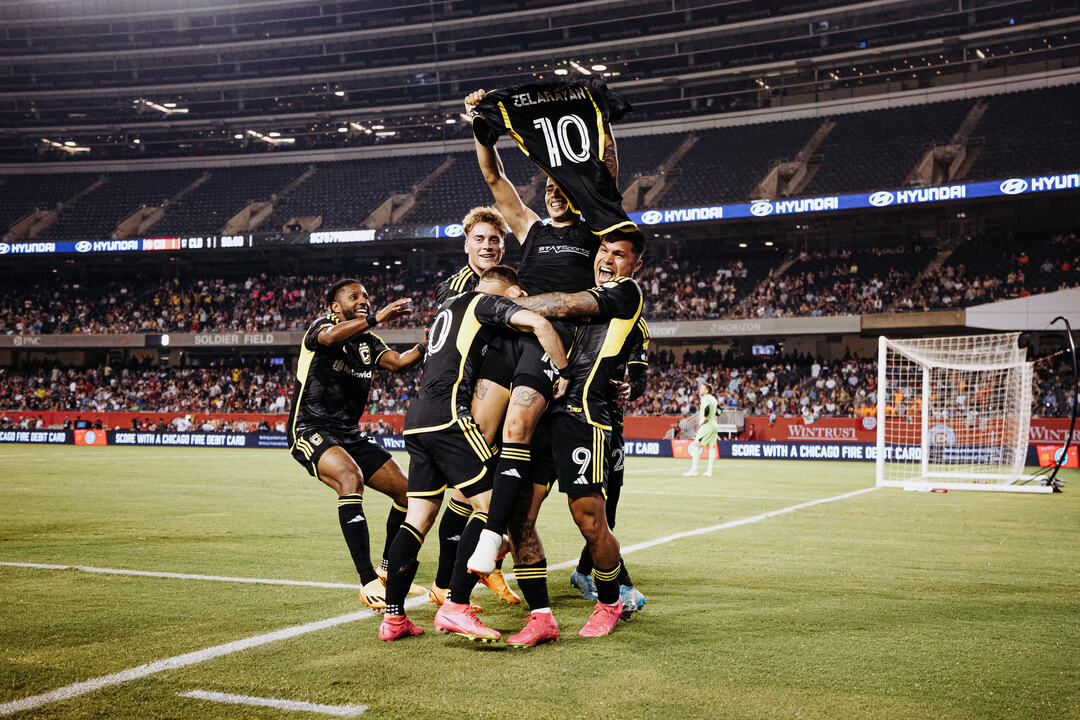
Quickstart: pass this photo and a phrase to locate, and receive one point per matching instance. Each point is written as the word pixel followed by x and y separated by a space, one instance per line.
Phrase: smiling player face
pixel 615 259
pixel 351 302
pixel 484 246
pixel 558 207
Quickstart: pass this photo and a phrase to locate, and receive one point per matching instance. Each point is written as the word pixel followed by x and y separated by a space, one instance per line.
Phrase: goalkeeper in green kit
pixel 705 440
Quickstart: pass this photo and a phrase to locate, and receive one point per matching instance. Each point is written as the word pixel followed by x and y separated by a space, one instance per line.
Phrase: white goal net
pixel 953 413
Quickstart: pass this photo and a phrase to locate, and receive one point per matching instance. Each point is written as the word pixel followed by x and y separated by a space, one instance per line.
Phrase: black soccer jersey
pixel 463 280
pixel 597 353
pixel 561 127
pixel 458 337
pixel 634 361
pixel 332 382
pixel 557 259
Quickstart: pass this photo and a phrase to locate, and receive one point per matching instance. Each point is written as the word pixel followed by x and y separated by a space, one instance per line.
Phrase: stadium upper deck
pixel 144 82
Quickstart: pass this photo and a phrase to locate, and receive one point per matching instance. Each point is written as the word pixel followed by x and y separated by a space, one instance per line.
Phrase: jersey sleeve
pixel 618 298
pixel 488 123
pixel 637 363
pixel 611 105
pixel 378 347
pixel 495 310
pixel 311 337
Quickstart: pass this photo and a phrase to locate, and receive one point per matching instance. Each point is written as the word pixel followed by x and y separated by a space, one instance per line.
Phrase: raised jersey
pixel 560 126
pixel 332 382
pixel 458 338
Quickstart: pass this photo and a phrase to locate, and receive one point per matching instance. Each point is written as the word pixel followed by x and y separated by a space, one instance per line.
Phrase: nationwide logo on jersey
pixel 651 217
pixel 881 198
pixel 1014 186
pixel 761 208
pixel 83 246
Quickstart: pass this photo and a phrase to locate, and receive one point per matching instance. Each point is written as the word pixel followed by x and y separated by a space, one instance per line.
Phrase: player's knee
pixel 350 482
pixel 591 523
pixel 517 429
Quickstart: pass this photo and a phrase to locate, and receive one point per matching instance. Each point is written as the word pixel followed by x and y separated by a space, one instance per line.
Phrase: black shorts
pixel 455 457
pixel 310 444
pixel 499 360
pixel 581 453
pixel 534 369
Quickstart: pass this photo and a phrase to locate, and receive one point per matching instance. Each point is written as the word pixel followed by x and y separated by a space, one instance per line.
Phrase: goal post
pixel 954 413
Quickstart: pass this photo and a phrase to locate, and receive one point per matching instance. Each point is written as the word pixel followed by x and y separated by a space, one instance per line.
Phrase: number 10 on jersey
pixel 558 141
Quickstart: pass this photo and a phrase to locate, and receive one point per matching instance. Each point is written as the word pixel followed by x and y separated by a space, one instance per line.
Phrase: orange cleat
pixel 497 584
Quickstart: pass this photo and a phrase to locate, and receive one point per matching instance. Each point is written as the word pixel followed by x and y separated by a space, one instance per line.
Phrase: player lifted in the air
pixel 705 440
pixel 338 355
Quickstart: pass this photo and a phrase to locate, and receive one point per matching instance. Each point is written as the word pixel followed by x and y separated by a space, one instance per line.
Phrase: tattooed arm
pixel 562 305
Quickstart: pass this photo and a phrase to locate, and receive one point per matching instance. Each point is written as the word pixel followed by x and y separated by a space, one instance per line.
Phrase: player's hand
pixel 622 393
pixel 473 99
pixel 423 343
pixel 396 309
pixel 561 388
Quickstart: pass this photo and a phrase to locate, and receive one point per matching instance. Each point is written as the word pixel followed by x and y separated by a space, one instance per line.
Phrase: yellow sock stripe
pixel 512 454
pixel 350 500
pixel 477 515
pixel 607 575
pixel 530 573
pixel 459 508
pixel 412 531
pixel 399 508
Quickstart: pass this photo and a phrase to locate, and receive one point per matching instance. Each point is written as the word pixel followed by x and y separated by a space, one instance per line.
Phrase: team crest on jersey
pixel 365 353
pixel 315 439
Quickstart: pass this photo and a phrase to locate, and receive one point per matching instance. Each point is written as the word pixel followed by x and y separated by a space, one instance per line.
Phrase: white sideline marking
pixel 714 495
pixel 345 711
pixel 183 576
pixel 192 658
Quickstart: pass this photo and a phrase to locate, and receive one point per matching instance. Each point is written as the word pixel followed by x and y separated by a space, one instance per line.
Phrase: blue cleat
pixel 632 599
pixel 584 584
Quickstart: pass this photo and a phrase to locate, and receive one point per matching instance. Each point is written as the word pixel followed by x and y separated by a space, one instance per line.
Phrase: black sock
pixel 584 563
pixel 451 526
pixel 607 584
pixel 403 564
pixel 394 518
pixel 350 512
pixel 462 581
pixel 511 474
pixel 624 574
pixel 532 579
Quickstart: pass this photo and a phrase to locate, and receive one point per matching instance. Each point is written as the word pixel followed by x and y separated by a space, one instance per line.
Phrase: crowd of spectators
pixel 755 285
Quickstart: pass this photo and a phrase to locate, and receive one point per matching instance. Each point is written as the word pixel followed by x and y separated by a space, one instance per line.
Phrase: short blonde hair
pixel 484 214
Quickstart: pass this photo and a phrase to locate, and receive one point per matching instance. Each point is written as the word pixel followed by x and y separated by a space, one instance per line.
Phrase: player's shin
pixel 532 579
pixel 511 474
pixel 607 584
pixel 403 564
pixel 451 527
pixel 354 529
pixel 394 518
pixel 462 581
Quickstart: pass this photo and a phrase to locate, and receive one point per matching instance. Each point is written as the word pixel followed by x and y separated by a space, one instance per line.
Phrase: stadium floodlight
pixel 271 138
pixel 562 71
pixel 68 146
pixel 599 68
pixel 953 413
pixel 581 69
pixel 169 108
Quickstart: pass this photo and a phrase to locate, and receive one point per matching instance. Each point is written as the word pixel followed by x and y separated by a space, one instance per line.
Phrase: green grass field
pixel 882 604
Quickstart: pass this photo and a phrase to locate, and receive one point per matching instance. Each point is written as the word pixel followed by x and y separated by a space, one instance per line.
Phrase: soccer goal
pixel 953 413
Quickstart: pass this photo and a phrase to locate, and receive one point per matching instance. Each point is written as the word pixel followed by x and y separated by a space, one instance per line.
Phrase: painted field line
pixel 192 658
pixel 712 495
pixel 345 711
pixel 183 576
pixel 81 688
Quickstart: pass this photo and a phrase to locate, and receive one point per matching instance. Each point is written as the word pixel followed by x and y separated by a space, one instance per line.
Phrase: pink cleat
pixel 602 621
pixel 459 619
pixel 395 627
pixel 541 628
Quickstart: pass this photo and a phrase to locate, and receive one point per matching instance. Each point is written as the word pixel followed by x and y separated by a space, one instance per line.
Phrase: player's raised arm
pixel 562 305
pixel 611 154
pixel 518 216
pixel 399 362
pixel 351 304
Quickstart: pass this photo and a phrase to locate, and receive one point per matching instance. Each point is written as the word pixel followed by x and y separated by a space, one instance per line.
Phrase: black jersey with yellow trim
pixel 634 364
pixel 333 381
pixel 557 259
pixel 458 338
pixel 463 280
pixel 598 353
pixel 560 126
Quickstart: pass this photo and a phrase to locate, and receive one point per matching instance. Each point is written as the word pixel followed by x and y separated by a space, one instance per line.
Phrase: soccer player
pixel 337 357
pixel 485 233
pixel 705 440
pixel 446 447
pixel 635 356
pixel 580 424
pixel 558 257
